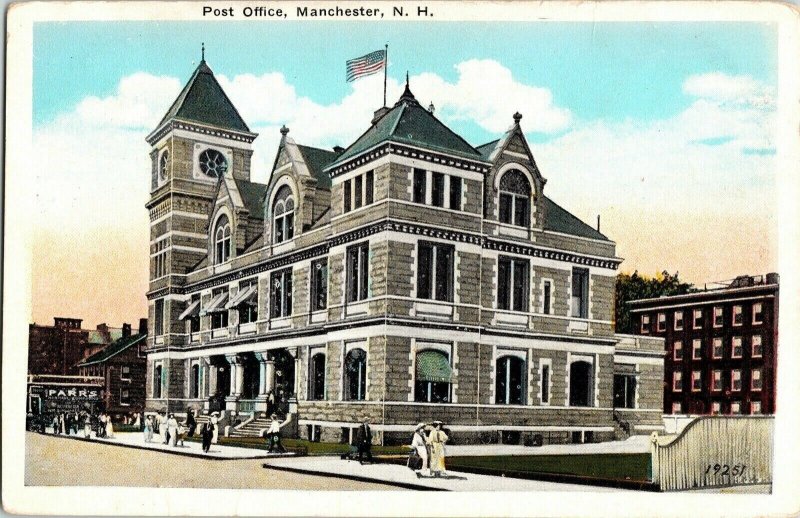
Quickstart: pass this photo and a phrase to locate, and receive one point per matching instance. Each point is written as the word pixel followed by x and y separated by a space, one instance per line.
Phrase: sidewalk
pixel 634 444
pixel 404 477
pixel 190 448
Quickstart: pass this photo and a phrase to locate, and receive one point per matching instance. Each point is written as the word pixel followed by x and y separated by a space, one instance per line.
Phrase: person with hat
pixel 273 434
pixel 214 427
pixel 420 446
pixel 436 440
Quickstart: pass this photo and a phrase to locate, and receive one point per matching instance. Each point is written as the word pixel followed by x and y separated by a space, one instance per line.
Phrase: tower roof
pixel 408 122
pixel 203 100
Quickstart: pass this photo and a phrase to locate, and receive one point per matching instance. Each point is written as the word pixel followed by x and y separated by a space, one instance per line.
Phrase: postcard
pixel 401 259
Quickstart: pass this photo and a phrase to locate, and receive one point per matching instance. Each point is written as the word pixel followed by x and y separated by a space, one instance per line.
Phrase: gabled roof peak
pixel 407 96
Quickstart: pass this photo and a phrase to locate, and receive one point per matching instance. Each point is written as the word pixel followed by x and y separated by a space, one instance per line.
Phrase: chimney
pixel 126 330
pixel 380 112
pixel 142 326
pixel 773 278
pixel 431 108
pixel 598 222
pixel 338 150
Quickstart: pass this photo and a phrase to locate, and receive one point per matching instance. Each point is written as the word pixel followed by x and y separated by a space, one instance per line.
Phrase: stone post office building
pixel 406 278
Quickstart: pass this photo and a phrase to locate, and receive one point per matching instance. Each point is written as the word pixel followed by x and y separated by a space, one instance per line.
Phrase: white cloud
pixel 732 89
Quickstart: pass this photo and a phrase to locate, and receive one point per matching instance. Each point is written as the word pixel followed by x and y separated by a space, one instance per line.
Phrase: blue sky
pixel 665 130
pixel 611 71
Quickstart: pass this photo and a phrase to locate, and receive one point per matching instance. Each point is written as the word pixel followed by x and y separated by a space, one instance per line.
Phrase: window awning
pixel 216 304
pixel 192 311
pixel 246 295
pixel 433 366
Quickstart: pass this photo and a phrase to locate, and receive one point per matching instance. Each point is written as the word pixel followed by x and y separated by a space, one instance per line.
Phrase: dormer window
pixel 283 215
pixel 222 240
pixel 515 195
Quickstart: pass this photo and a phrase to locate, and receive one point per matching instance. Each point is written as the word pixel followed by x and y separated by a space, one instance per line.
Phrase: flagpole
pixel 385 71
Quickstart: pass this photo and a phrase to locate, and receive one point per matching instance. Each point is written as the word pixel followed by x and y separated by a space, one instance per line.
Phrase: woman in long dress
pixel 436 439
pixel 148 429
pixel 418 443
pixel 215 428
pixel 172 426
pixel 109 427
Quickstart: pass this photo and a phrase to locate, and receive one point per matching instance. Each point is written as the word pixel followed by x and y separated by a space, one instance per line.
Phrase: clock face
pixel 163 166
pixel 213 163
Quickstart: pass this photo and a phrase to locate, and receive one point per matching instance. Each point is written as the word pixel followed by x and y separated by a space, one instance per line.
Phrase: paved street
pixel 54 461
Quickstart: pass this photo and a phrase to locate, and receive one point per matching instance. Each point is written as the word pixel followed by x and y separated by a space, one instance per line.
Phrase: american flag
pixel 366 65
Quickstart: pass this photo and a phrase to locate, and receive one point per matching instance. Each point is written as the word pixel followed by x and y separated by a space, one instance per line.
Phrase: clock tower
pixel 201 138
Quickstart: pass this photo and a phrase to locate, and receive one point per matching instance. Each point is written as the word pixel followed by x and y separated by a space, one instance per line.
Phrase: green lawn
pixel 621 466
pixel 312 448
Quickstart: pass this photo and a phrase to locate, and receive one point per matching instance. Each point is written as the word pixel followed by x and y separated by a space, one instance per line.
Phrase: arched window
pixel 222 240
pixel 510 381
pixel 316 377
pixel 433 377
pixel 283 215
pixel 355 364
pixel 581 382
pixel 195 380
pixel 163 165
pixel 515 198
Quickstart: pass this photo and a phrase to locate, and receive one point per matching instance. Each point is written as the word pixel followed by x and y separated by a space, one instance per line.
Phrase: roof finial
pixel 406 78
pixel 431 108
pixel 202 51
pixel 284 130
pixel 517 118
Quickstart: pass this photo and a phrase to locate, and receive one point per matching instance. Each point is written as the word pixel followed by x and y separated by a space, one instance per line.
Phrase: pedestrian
pixel 436 440
pixel 101 426
pixel 148 429
pixel 87 425
pixel 181 433
pixel 274 434
pixel 206 433
pixel 76 422
pixel 55 424
pixel 419 444
pixel 137 423
pixel 67 423
pixel 364 441
pixel 164 427
pixel 191 423
pixel 109 428
pixel 271 402
pixel 214 427
pixel 172 428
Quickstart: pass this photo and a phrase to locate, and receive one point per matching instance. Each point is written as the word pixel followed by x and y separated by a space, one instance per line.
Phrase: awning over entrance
pixel 216 304
pixel 246 295
pixel 433 366
pixel 192 311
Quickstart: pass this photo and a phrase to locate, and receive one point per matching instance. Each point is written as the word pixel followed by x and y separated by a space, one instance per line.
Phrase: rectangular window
pixel 698 319
pixel 736 380
pixel 662 321
pixel 716 407
pixel 645 324
pixel 736 407
pixel 357 272
pixel 676 408
pixel 319 284
pixel 437 189
pixel 580 293
pixel 624 391
pixel 547 288
pixel 545 384
pixel 281 292
pixel 697 381
pixel 677 381
pixel 677 350
pixel 435 271
pixel 248 308
pixel 512 284
pixel 755 379
pixel 736 347
pixel 717 316
pixel 124 397
pixel 455 192
pixel 716 352
pixel 738 318
pixel 359 192
pixel 506 204
pixel 697 349
pixel 420 187
pixel 369 188
pixel 194 320
pixel 348 196
pixel 755 407
pixel 160 259
pixel 678 317
pixel 758 313
pixel 159 317
pixel 716 384
pixel 125 373
pixel 157 381
pixel 756 348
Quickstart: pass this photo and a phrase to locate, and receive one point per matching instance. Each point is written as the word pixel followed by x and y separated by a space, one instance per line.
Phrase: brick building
pixel 122 366
pixel 406 278
pixel 721 346
pixel 56 349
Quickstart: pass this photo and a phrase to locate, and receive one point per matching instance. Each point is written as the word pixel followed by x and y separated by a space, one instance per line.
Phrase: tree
pixel 635 286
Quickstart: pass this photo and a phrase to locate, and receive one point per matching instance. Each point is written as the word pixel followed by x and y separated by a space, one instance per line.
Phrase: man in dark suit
pixel 364 441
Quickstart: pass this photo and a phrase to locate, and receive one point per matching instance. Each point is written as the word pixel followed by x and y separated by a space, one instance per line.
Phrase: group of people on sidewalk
pixel 71 423
pixel 173 432
pixel 427 450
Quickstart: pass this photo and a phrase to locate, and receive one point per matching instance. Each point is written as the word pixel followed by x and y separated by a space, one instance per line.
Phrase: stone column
pixel 233 362
pixel 212 378
pixel 269 376
pixel 294 354
pixel 239 378
pixel 262 373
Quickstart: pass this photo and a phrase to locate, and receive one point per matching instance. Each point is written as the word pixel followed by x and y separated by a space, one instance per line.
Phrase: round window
pixel 213 163
pixel 163 165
